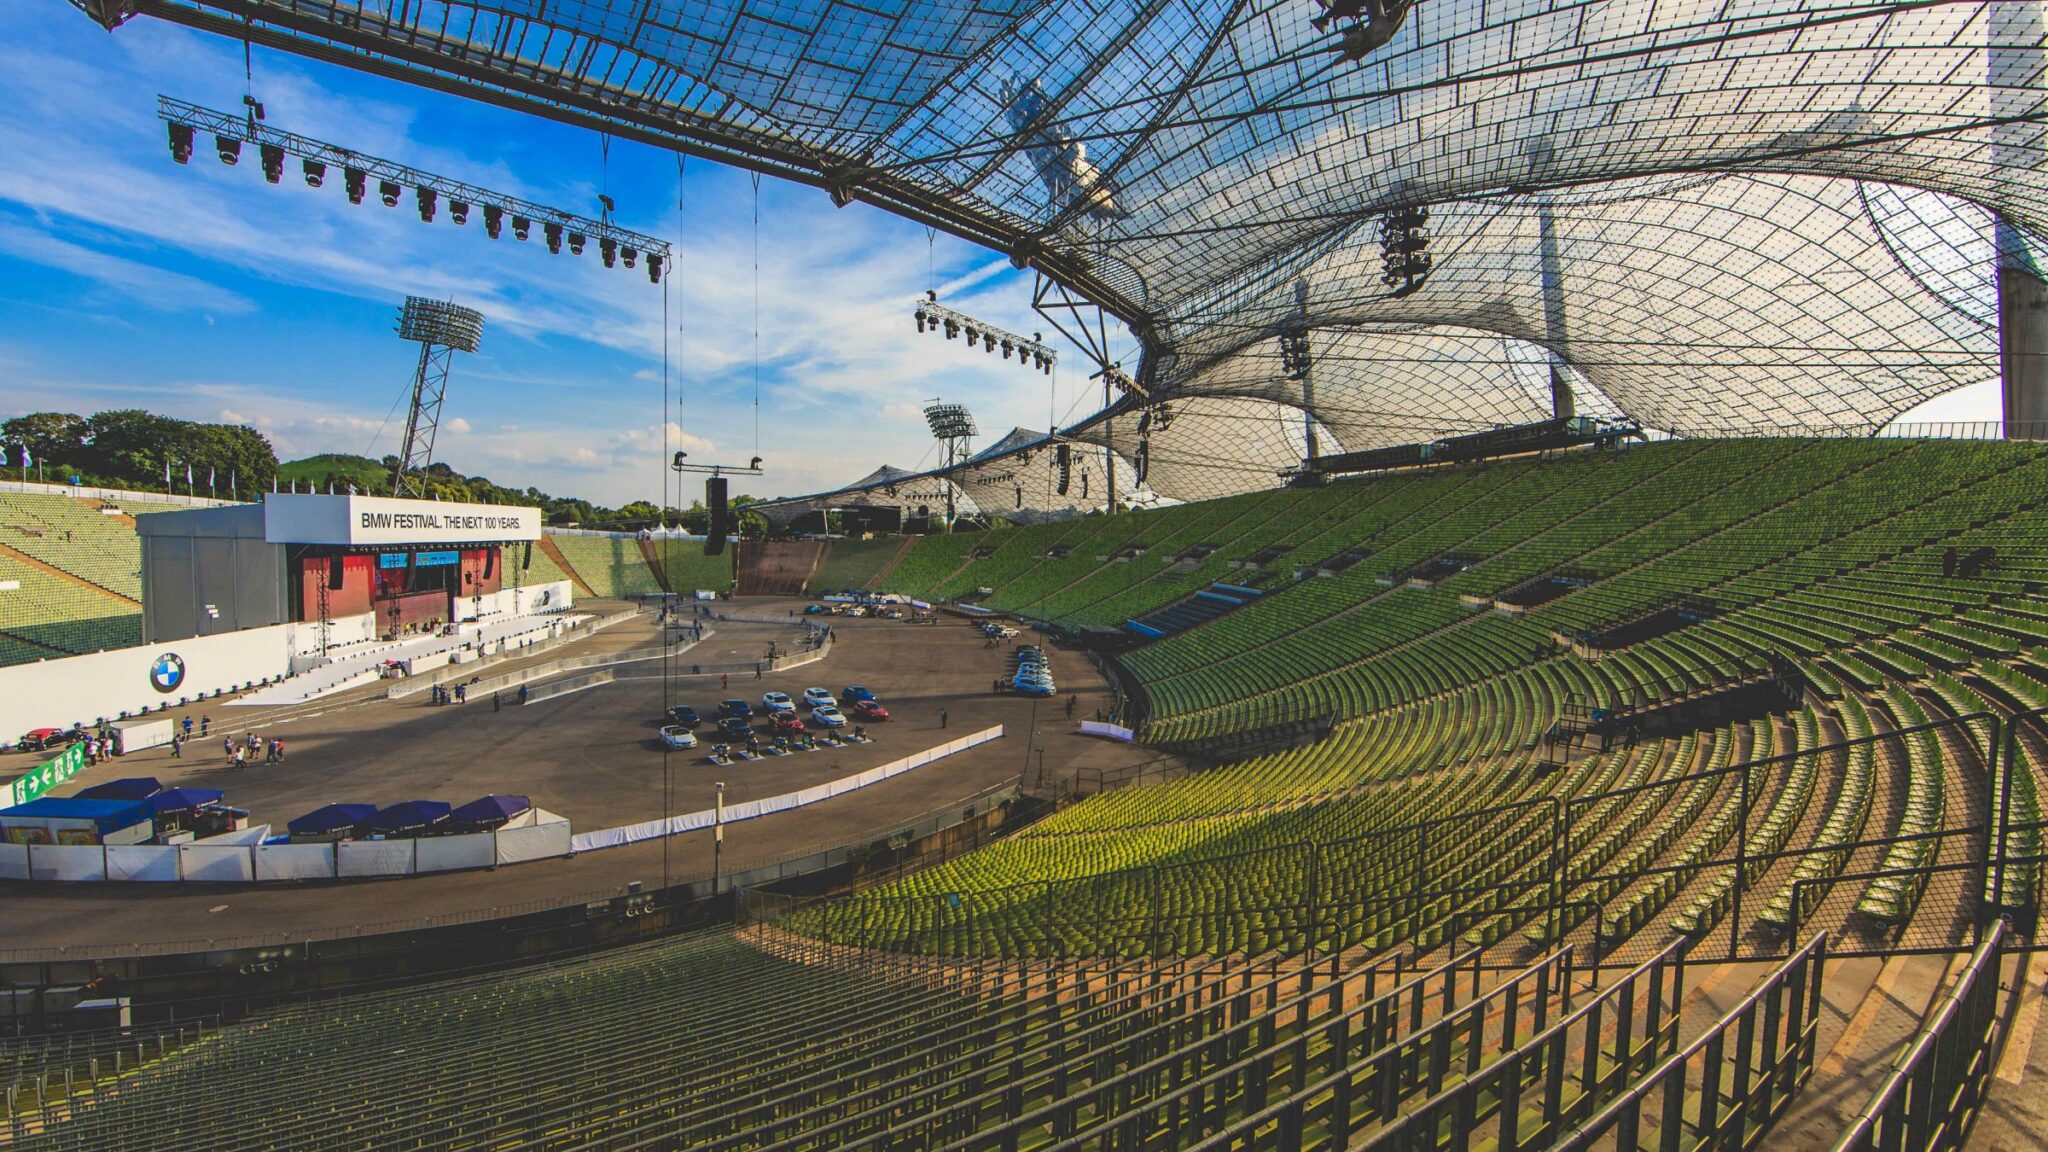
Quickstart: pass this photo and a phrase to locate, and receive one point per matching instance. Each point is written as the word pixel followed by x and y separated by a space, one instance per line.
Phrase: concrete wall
pixel 83 689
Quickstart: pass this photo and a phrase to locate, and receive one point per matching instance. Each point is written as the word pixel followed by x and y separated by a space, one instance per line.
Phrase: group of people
pixel 242 754
pixel 460 694
pixel 99 746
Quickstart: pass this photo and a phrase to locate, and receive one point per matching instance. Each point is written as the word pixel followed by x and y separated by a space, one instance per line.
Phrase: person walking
pixel 522 693
pixel 205 722
pixel 724 681
pixel 178 745
pixel 1071 701
pixel 942 717
pixel 495 703
pixel 188 727
pixel 227 747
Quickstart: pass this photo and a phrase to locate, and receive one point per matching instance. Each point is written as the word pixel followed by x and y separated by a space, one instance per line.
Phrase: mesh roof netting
pixel 1713 217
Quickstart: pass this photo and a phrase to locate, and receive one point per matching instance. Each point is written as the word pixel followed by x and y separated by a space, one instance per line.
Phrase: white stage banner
pixel 155 862
pixel 447 853
pixel 295 861
pixel 68 861
pixel 207 862
pixel 374 857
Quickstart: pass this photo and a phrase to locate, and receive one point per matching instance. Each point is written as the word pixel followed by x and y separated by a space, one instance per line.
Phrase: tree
pixel 132 445
pixel 51 437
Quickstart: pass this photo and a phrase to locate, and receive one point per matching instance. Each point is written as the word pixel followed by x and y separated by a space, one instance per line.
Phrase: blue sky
pixel 200 291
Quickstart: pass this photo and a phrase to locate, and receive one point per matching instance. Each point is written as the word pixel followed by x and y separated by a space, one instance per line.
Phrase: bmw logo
pixel 167 673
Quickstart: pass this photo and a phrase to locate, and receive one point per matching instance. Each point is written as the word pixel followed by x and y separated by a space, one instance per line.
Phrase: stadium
pixel 1504 659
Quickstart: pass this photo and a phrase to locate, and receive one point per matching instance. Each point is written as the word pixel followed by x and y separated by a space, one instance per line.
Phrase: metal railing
pixel 1724 1088
pixel 1929 1101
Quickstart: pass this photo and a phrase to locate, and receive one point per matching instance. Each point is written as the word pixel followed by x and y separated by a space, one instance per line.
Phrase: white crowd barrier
pixel 242 856
pixel 748 810
pixel 1113 731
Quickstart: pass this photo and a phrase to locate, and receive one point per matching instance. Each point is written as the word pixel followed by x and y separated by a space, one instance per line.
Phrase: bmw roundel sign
pixel 167 672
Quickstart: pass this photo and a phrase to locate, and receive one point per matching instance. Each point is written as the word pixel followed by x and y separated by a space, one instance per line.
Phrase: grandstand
pixel 1616 726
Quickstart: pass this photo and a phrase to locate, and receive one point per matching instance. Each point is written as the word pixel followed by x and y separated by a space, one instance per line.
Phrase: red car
pixel 42 739
pixel 869 710
pixel 785 722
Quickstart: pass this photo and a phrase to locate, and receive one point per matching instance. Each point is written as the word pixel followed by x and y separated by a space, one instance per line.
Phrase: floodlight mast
pixel 953 427
pixel 441 328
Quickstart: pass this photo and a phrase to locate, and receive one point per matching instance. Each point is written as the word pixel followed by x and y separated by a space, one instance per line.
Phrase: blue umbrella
pixel 132 788
pixel 407 815
pixel 180 799
pixel 332 818
pixel 490 810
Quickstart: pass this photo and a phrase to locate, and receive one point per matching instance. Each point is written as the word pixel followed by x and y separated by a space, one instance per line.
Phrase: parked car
pixel 852 692
pixel 42 739
pixel 869 710
pixel 773 702
pixel 677 736
pixel 1036 687
pixel 739 708
pixel 734 728
pixel 826 716
pixel 785 722
pixel 684 716
pixel 816 696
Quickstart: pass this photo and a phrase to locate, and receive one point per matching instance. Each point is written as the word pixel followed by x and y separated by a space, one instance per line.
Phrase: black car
pixel 735 728
pixel 684 715
pixel 739 708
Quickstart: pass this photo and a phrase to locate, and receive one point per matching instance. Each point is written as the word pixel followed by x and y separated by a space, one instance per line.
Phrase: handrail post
pixel 1742 869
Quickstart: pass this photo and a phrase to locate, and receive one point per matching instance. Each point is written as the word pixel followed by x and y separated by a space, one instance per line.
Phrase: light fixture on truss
pixel 933 316
pixel 184 121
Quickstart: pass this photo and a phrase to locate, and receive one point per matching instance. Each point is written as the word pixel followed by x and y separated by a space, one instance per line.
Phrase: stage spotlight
pixel 628 255
pixel 228 149
pixel 427 198
pixel 972 335
pixel 1008 348
pixel 920 321
pixel 988 341
pixel 755 464
pixel 653 268
pixel 553 232
pixel 181 142
pixel 520 227
pixel 357 182
pixel 576 240
pixel 272 159
pixel 952 328
pixel 388 191
pixel 458 211
pixel 314 171
pixel 609 249
pixel 494 220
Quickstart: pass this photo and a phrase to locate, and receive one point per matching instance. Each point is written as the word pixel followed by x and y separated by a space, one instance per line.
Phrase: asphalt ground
pixel 593 756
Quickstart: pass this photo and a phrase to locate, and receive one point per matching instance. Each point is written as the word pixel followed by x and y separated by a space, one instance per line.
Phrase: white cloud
pixel 459 426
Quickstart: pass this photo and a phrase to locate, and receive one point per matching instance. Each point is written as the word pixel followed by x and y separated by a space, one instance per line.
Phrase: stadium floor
pixel 590 756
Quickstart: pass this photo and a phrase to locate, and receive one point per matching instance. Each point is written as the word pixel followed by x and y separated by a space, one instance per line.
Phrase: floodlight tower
pixel 441 328
pixel 954 428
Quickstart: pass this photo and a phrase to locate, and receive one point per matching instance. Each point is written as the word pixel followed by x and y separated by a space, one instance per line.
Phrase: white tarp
pixel 294 861
pixel 153 862
pixel 13 861
pixel 443 853
pixel 374 857
pixel 748 810
pixel 547 836
pixel 1113 731
pixel 221 863
pixel 68 861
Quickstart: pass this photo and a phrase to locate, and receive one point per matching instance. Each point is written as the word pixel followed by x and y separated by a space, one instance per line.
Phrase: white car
pixel 816 696
pixel 828 716
pixel 677 736
pixel 776 702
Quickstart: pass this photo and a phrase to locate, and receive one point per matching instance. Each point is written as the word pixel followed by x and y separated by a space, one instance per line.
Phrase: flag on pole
pixel 188 474
pixel 26 459
pixel 167 471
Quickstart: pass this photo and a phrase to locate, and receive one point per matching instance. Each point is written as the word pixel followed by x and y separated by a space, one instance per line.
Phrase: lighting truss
pixel 230 132
pixel 933 316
